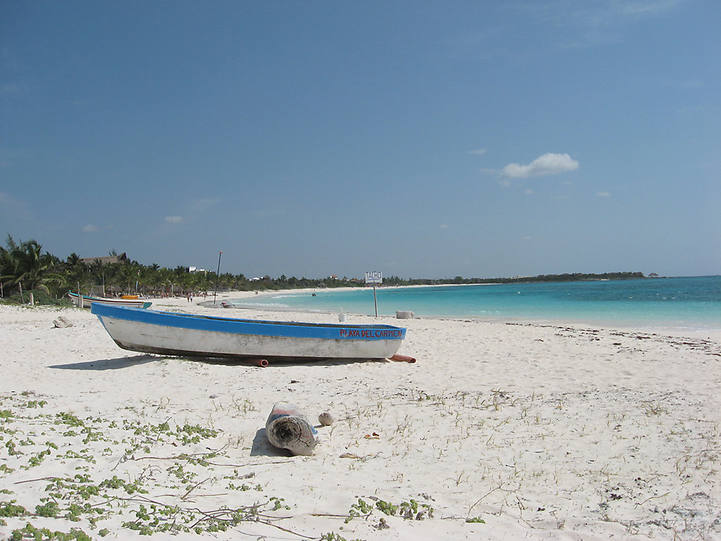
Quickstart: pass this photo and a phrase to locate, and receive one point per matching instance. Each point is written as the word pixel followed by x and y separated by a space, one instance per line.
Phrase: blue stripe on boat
pixel 250 326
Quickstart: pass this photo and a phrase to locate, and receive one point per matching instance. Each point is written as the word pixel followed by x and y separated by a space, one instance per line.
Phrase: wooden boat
pixel 85 301
pixel 191 335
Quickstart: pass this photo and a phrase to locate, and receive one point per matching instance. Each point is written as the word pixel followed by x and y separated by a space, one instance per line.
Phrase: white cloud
pixel 173 219
pixel 646 7
pixel 594 22
pixel 204 203
pixel 603 194
pixel 546 164
pixel 478 151
pixel 564 13
pixel 444 226
pixel 269 212
pixel 90 228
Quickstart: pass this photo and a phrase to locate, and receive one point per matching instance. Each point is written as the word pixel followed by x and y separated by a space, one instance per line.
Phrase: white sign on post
pixel 374 278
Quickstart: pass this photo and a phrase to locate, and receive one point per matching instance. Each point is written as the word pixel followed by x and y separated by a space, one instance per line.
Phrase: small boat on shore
pixel 192 335
pixel 86 301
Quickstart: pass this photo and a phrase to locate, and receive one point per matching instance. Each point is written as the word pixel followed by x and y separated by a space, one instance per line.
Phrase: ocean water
pixel 688 302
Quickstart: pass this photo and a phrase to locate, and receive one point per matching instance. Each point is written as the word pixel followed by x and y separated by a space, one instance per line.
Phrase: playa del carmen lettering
pixel 370 333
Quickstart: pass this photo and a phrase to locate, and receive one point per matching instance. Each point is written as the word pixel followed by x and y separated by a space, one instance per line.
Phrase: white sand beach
pixel 499 431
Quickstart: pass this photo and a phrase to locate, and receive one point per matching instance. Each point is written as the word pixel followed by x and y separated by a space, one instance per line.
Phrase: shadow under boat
pixel 117 363
pixel 246 360
pixel 277 362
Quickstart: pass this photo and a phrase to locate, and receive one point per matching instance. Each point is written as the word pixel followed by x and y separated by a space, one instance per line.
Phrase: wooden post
pixel 374 278
pixel 217 276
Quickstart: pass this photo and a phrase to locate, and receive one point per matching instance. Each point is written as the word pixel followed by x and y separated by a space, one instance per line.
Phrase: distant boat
pixel 191 335
pixel 86 301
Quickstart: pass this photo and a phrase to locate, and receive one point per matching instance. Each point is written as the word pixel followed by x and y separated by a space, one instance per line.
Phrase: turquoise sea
pixel 688 302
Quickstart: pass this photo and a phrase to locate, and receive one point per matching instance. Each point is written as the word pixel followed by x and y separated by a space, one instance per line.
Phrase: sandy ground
pixel 499 431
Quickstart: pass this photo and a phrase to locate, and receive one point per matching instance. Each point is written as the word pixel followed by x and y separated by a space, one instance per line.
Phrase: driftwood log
pixel 62 323
pixel 287 428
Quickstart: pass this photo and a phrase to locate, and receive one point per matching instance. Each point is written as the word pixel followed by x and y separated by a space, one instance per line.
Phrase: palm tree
pixel 26 266
pixel 76 272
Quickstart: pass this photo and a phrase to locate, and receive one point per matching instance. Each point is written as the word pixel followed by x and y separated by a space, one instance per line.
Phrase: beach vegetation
pixel 37 459
pixel 333 536
pixel 49 509
pixel 12 450
pixel 386 508
pixel 408 510
pixel 78 487
pixel 68 419
pixel 36 403
pixel 654 408
pixel 82 497
pixel 31 532
pixel 359 509
pixel 11 509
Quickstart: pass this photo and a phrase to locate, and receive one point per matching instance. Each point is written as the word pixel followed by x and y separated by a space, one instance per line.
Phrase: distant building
pixel 105 260
pixel 196 269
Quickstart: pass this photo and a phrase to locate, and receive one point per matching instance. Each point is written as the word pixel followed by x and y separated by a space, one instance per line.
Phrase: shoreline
pixel 541 432
pixel 696 330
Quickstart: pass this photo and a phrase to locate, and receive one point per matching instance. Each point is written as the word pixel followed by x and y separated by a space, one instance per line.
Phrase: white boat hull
pixel 163 339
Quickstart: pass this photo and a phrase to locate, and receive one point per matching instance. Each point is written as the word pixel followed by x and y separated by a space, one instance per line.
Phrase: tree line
pixel 25 268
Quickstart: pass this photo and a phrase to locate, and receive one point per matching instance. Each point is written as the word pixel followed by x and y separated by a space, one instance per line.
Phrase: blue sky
pixel 423 139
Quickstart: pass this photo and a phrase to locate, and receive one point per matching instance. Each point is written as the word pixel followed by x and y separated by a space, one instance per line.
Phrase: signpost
pixel 217 276
pixel 374 278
